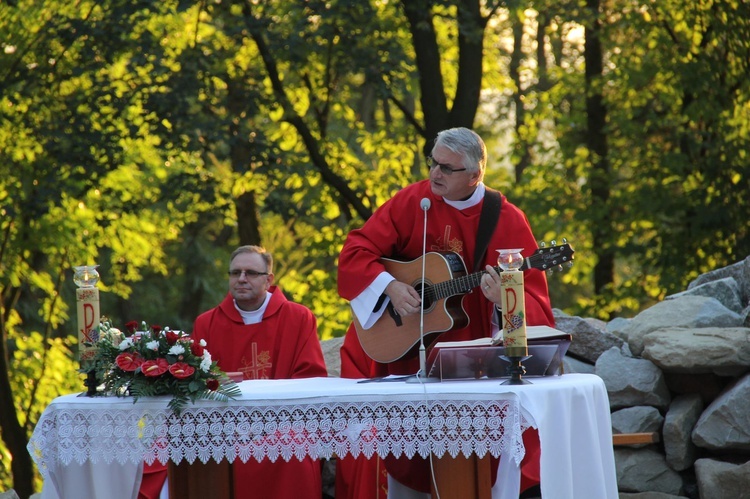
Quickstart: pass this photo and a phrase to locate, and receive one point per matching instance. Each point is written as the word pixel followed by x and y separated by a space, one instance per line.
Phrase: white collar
pixel 254 316
pixel 474 200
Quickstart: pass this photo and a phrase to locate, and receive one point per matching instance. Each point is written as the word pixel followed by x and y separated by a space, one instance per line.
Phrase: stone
pixel 638 419
pixel 648 495
pixel 571 365
pixel 739 271
pixel 724 351
pixel 332 356
pixel 631 382
pixel 725 424
pixel 726 290
pixel 679 422
pixel 686 311
pixel 722 480
pixel 641 470
pixel 590 339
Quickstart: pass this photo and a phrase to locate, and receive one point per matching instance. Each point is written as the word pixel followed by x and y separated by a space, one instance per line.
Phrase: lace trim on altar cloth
pixel 289 432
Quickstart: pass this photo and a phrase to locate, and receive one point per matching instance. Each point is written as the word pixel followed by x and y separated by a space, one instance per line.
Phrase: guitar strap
pixel 487 222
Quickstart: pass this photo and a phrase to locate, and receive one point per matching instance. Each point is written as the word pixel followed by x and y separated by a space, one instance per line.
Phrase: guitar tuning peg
pixel 542 244
pixel 569 264
pixel 549 271
pixel 565 240
pixel 559 268
pixel 553 242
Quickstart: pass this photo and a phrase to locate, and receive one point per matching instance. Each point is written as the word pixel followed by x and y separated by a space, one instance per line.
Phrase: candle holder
pixel 515 370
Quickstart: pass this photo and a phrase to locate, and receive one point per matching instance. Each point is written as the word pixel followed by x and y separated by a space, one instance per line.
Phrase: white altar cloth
pixel 322 417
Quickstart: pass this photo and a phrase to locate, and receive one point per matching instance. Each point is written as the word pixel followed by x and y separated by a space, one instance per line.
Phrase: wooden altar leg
pixel 459 477
pixel 198 480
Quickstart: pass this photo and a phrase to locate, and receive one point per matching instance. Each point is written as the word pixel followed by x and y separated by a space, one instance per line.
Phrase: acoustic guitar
pixel 446 281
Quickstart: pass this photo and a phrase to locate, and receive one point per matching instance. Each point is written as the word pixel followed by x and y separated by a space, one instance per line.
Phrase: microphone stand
pixel 422 375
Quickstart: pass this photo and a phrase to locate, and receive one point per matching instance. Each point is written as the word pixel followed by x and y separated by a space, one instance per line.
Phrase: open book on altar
pixel 484 357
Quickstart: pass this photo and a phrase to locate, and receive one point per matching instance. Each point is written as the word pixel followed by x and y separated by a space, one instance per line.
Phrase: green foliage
pixel 42 369
pixel 131 133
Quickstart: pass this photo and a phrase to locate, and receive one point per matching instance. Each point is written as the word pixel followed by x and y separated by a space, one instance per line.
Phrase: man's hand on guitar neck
pixel 404 298
pixel 491 286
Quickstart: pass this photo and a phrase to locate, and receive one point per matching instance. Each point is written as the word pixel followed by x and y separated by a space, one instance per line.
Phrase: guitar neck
pixel 464 284
pixel 459 285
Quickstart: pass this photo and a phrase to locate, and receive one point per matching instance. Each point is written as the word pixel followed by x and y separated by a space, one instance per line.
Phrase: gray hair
pixel 468 144
pixel 267 257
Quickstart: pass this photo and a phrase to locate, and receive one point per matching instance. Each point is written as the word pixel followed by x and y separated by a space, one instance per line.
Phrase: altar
pixel 88 446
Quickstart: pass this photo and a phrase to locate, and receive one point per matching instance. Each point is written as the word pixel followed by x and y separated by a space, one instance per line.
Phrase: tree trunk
pixel 521 145
pixel 471 26
pixel 13 434
pixel 599 177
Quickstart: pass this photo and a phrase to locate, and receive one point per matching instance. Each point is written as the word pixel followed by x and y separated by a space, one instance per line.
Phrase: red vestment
pixel 283 345
pixel 395 231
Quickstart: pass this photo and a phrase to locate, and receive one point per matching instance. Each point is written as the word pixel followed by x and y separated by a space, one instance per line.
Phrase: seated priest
pixel 255 330
pixel 454 199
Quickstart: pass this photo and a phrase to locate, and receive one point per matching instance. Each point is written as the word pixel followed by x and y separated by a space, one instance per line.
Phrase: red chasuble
pixel 284 345
pixel 395 231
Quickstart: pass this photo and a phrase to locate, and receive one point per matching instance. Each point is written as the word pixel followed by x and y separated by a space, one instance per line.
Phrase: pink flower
pixel 154 367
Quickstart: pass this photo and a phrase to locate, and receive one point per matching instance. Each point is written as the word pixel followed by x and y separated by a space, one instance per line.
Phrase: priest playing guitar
pixel 466 222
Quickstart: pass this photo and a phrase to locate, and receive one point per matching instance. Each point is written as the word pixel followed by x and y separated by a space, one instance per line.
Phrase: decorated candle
pixel 514 313
pixel 87 298
pixel 512 302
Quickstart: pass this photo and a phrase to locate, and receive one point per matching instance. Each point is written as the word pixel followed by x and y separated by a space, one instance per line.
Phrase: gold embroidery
pixel 445 243
pixel 259 363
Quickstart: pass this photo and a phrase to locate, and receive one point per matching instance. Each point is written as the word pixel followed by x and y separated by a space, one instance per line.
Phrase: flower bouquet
pixel 155 361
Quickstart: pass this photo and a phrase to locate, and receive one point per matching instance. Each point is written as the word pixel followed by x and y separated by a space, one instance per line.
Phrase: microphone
pixel 425 205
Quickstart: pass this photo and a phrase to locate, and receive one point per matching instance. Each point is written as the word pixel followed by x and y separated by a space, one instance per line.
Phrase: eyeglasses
pixel 236 273
pixel 444 169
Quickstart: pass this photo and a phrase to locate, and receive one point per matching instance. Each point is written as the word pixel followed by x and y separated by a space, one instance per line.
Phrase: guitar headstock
pixel 551 257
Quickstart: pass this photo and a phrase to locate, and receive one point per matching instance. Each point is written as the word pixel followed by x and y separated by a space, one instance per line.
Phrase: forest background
pixel 153 137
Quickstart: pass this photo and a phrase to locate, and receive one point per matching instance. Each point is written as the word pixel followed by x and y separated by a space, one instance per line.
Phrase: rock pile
pixel 680 368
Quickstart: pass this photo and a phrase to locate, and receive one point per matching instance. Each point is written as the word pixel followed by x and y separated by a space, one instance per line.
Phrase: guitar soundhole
pixel 428 295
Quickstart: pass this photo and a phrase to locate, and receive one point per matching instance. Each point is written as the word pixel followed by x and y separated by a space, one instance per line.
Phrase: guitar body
pixel 446 281
pixel 392 336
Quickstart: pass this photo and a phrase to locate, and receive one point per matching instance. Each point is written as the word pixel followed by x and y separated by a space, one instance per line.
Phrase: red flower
pixel 155 328
pixel 154 368
pixel 196 349
pixel 131 326
pixel 129 361
pixel 180 370
pixel 172 337
pixel 212 384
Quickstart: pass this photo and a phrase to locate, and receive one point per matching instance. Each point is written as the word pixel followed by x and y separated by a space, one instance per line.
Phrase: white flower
pixel 126 343
pixel 206 364
pixel 203 342
pixel 153 345
pixel 177 349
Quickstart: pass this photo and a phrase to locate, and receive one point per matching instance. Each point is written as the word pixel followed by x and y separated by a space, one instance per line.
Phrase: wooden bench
pixel 635 438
